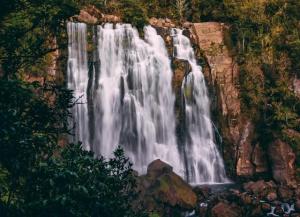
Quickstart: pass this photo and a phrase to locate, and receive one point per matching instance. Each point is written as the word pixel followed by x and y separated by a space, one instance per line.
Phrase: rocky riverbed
pixel 165 193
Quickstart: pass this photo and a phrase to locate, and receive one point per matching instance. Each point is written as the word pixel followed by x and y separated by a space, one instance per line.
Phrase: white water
pixel 204 164
pixel 127 100
pixel 78 79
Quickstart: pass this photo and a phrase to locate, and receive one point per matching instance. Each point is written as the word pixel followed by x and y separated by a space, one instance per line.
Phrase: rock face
pixel 91 15
pixel 244 165
pixel 223 77
pixel 162 186
pixel 164 23
pixel 282 163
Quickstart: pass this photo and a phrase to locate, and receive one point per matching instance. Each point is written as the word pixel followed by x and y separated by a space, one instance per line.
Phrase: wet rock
pixel 271 196
pixel 203 208
pixel 202 192
pixel 283 163
pixel 223 209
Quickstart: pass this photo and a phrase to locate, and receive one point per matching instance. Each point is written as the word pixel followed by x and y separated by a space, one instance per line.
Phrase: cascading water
pixel 126 99
pixel 132 97
pixel 78 79
pixel 204 164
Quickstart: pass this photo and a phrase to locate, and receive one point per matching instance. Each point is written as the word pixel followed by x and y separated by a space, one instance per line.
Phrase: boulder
pixel 282 163
pixel 271 196
pixel 158 168
pixel 171 189
pixel 223 209
pixel 162 186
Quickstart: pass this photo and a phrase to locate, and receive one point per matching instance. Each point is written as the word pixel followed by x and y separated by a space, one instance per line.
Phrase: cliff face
pixel 243 154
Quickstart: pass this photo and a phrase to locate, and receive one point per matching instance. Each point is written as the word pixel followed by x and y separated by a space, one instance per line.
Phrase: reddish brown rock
pixel 260 188
pixel 283 163
pixel 226 210
pixel 244 165
pixel 161 23
pixel 85 17
pixel 181 69
pixel 259 159
pixel 223 74
pixel 271 196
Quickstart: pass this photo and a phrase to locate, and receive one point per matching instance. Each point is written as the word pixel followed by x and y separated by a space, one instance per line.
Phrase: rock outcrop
pixel 161 189
pixel 91 15
pixel 282 163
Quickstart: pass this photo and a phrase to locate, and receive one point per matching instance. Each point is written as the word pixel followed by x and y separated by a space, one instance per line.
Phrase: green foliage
pixel 77 184
pixel 28 123
pixel 40 178
pixel 29 129
pixel 133 12
pixel 28 29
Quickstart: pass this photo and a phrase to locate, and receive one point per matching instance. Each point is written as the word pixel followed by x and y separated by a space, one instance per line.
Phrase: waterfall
pixel 126 98
pixel 78 80
pixel 204 164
